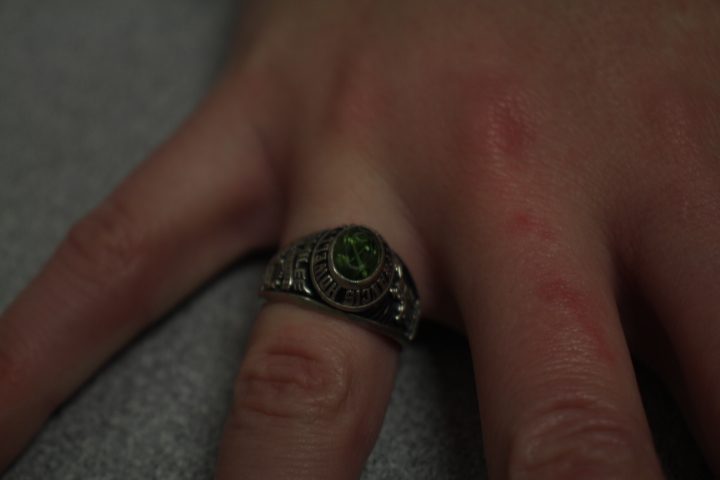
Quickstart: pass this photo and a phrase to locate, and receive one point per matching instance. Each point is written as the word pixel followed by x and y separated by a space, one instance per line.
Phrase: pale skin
pixel 534 163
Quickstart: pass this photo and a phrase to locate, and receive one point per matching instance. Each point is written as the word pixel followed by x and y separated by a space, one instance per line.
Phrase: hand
pixel 533 165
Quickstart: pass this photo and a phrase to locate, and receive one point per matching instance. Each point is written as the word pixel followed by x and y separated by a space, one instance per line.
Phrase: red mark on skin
pixel 508 126
pixel 523 223
pixel 574 318
pixel 490 120
pixel 498 121
pixel 559 293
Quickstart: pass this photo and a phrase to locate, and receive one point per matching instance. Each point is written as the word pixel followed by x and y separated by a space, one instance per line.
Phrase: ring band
pixel 349 271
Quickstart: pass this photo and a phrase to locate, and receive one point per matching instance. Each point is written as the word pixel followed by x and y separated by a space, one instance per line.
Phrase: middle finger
pixel 312 390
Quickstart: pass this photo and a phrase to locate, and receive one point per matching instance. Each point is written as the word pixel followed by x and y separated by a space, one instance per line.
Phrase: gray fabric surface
pixel 87 88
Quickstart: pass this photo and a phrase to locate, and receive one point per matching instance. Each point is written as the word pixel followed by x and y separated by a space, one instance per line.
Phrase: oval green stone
pixel 356 253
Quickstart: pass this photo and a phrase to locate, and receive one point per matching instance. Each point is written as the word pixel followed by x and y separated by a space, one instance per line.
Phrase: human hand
pixel 529 166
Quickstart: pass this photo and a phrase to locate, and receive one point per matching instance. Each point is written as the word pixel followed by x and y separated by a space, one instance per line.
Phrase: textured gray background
pixel 87 88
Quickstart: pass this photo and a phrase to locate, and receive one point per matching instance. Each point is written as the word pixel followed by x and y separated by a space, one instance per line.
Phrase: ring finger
pixel 313 389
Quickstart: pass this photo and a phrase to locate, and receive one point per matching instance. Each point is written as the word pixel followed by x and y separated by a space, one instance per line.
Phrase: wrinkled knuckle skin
pixel 290 382
pixel 105 245
pixel 570 442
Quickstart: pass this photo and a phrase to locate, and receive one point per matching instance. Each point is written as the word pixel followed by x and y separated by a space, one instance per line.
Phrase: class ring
pixel 352 273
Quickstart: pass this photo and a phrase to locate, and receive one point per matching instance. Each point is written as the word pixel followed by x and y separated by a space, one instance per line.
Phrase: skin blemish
pixel 491 132
pixel 497 123
pixel 508 126
pixel 524 223
pixel 560 293
pixel 573 319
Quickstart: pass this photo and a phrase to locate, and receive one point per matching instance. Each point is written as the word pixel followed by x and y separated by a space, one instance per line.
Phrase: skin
pixel 535 164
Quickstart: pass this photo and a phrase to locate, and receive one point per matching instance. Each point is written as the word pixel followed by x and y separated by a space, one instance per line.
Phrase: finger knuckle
pixel 504 126
pixel 495 136
pixel 570 437
pixel 105 245
pixel 292 379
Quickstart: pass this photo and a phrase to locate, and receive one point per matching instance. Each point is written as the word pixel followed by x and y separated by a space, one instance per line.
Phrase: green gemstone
pixel 356 254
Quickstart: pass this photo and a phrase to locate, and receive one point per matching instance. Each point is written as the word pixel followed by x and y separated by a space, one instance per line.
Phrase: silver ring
pixel 349 271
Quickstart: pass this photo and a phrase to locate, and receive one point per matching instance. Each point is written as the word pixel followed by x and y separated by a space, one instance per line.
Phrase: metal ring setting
pixel 351 271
